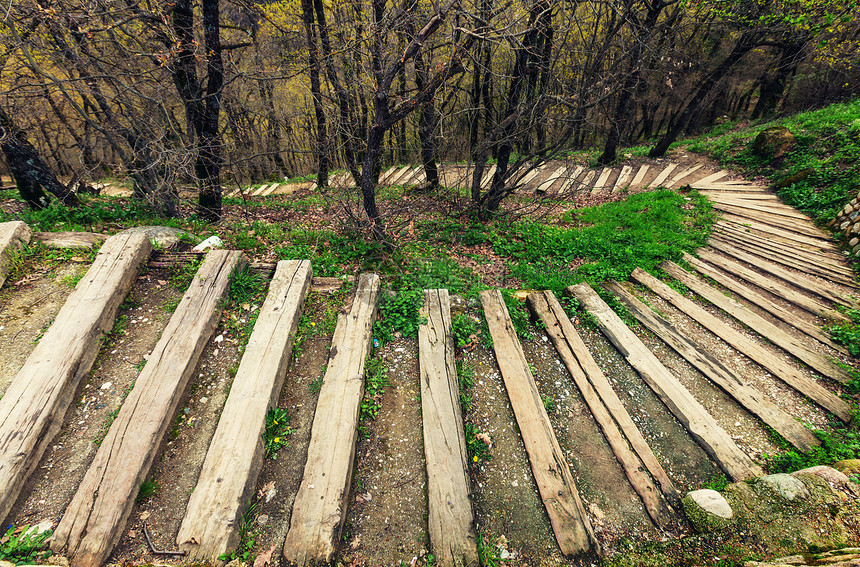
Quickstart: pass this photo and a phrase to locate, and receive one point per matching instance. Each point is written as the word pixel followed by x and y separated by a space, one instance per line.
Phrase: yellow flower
pixel 277 439
pixel 276 421
pixel 313 324
pixel 475 458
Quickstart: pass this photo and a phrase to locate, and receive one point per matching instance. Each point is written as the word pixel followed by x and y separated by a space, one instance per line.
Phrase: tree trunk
pixel 316 94
pixel 209 157
pixel 772 89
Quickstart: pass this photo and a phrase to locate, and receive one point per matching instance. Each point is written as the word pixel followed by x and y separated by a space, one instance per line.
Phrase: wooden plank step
pixel 33 407
pixel 805 228
pixel 715 369
pixel 571 526
pixel 800 280
pixel 640 175
pixel 663 175
pixel 786 291
pixel 831 259
pixel 96 517
pixel 698 422
pixel 408 172
pixel 570 180
pixel 684 174
pixel 550 181
pixel 450 515
pixel 528 177
pixel 390 172
pixel 320 505
pixel 763 302
pixel 14 235
pixel 795 346
pixel 729 187
pixel 774 364
pixel 751 208
pixel 710 178
pixel 229 475
pixel 795 261
pixel 585 184
pixel 657 493
pixel 600 184
pixel 623 176
pixel 70 239
pixel 769 231
pixel 758 196
pixel 488 178
pixel 771 205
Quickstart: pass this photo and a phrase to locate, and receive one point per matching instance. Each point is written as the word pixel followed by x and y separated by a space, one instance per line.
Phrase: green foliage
pixel 548 403
pixel 466 381
pixel 246 285
pixel 477 449
pixel 820 173
pixel 464 328
pixel 22 548
pixel 183 273
pixel 247 535
pixel 519 315
pixel 718 482
pixel 276 432
pixel 839 444
pixel 398 313
pixel 848 333
pixel 489 552
pixel 375 382
pixel 94 212
pixel 148 489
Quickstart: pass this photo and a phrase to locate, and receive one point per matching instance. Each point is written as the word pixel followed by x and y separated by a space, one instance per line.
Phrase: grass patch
pixel 148 489
pixel 19 547
pixel 838 444
pixel 375 382
pixel 398 313
pixel 276 432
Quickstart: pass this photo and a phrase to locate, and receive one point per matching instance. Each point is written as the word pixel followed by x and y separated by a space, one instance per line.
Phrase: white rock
pixel 106 386
pixel 211 242
pixel 712 502
pixel 786 486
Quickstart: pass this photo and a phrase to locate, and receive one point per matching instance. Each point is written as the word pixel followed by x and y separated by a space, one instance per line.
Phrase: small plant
pixel 718 482
pixel 398 313
pixel 245 285
pixel 848 333
pixel 548 403
pixel 519 315
pixel 466 380
pixel 277 430
pixel 375 382
pixel 20 546
pixel 247 535
pixel 476 448
pixel 465 330
pixel 489 552
pixel 148 489
pixel 182 274
pixel 316 385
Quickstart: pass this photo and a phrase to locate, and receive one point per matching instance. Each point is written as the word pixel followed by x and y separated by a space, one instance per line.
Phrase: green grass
pixel 824 163
pixel 398 313
pixel 19 547
pixel 375 382
pixel 837 444
pixel 276 432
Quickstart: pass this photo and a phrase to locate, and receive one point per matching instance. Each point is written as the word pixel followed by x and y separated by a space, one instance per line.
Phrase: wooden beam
pixel 623 176
pixel 14 235
pixel 70 239
pixel 571 526
pixel 769 230
pixel 96 518
pixel 663 175
pixel 657 493
pixel 320 505
pixel 806 228
pixel 718 372
pixel 570 180
pixel 450 518
pixel 698 422
pixel 684 174
pixel 33 407
pixel 831 259
pixel 587 180
pixel 602 180
pixel 550 181
pixel 774 364
pixel 640 175
pixel 229 475
pixel 710 178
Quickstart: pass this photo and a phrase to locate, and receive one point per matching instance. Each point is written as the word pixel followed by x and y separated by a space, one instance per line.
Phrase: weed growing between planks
pixel 398 313
pixel 19 546
pixel 248 531
pixel 375 382
pixel 276 432
pixel 148 489
pixel 839 443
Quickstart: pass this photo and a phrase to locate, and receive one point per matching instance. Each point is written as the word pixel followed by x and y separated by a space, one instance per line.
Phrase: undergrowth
pixel 21 547
pixel 375 382
pixel 839 443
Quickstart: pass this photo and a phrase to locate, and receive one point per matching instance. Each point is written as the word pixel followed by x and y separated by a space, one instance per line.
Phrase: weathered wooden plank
pixel 70 239
pixel 488 177
pixel 640 175
pixel 684 174
pixel 798 279
pixel 450 518
pixel 716 370
pixel 758 196
pixel 320 505
pixel 698 422
pixel 14 235
pixel 551 180
pixel 663 175
pixel 259 190
pixel 728 186
pixel 571 526
pixel 384 178
pixel 33 407
pixel 96 517
pixel 829 257
pixel 586 182
pixel 788 292
pixel 600 184
pixel 710 178
pixel 799 226
pixel 570 180
pixel 405 173
pixel 623 176
pixel 656 493
pixel 226 482
pixel 769 207
pixel 774 364
pixel 795 346
pixel 528 177
pixel 763 302
pixel 766 229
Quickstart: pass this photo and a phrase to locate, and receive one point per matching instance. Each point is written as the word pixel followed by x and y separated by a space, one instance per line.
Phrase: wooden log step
pixel 774 364
pixel 831 258
pixel 601 182
pixel 800 280
pixel 571 179
pixel 550 181
pixel 586 182
pixel 710 178
pixel 795 346
pixel 718 372
pixel 762 302
pixel 571 526
pixel 70 239
pixel 488 178
pixel 684 174
pixel 530 175
pixel 623 177
pixel 640 175
pixel 229 475
pixel 450 515
pixel 805 228
pixel 794 261
pixel 699 423
pixel 663 175
pixel 771 231
pixel 773 207
pixel 732 205
pixel 14 235
pixel 757 196
pixel 96 517
pixel 729 187
pixel 657 493
pixel 786 291
pixel 320 505
pixel 33 407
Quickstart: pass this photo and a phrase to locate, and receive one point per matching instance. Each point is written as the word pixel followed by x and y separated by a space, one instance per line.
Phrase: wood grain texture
pixel 70 239
pixel 774 364
pixel 550 469
pixel 640 175
pixel 96 517
pixel 451 518
pixel 831 258
pixel 657 492
pixel 14 235
pixel 698 422
pixel 33 407
pixel 226 482
pixel 715 369
pixel 320 505
pixel 663 175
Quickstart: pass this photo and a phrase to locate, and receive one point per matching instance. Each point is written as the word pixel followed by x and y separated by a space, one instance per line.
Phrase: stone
pixel 831 475
pixel 773 142
pixel 856 249
pixel 785 485
pixel 707 510
pixel 853 215
pixel 164 236
pixel 854 242
pixel 211 242
pixel 848 208
pixel 844 224
pixel 848 467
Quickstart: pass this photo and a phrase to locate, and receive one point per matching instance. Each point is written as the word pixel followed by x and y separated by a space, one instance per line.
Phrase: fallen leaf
pixel 266 557
pixel 132 534
pixel 162 282
pixel 355 543
pixel 144 515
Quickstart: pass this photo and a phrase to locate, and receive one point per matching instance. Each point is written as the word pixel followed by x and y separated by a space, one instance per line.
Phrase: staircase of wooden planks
pixel 759 292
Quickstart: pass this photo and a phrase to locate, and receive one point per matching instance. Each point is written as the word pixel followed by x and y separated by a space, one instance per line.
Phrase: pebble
pixel 106 386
